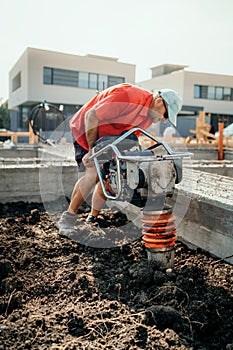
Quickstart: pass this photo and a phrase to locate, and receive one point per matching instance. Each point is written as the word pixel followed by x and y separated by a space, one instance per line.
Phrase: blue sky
pixel 196 33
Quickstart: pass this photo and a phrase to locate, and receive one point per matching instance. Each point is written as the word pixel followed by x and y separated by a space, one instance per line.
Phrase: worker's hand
pixel 86 162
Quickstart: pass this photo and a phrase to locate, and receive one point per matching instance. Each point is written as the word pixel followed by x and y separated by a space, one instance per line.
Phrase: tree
pixel 4 116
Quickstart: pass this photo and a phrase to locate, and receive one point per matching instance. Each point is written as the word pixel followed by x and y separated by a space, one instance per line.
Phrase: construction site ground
pixel 59 294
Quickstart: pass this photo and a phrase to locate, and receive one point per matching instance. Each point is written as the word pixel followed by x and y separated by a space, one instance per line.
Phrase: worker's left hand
pixel 87 162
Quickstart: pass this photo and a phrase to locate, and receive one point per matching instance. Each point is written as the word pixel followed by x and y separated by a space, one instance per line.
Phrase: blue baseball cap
pixel 174 103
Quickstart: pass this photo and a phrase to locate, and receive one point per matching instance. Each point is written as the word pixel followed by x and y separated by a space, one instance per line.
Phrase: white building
pixel 72 80
pixel 60 78
pixel 212 93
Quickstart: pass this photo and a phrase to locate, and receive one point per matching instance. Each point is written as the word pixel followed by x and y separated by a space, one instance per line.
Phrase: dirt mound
pixel 58 294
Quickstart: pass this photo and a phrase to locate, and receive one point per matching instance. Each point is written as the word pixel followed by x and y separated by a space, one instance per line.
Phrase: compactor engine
pixel 145 178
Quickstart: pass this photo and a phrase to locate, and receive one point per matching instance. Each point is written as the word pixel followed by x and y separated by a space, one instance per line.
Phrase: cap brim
pixel 172 116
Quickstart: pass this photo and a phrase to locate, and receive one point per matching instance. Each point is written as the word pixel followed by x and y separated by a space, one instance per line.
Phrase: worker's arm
pixel 91 127
pixel 91 130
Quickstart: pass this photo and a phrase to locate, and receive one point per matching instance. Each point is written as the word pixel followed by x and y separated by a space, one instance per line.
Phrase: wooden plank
pixel 15 134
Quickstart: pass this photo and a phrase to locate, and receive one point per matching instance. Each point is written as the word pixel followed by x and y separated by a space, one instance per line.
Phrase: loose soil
pixel 59 294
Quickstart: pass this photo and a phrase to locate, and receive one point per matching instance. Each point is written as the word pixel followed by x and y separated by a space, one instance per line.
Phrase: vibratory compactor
pixel 145 177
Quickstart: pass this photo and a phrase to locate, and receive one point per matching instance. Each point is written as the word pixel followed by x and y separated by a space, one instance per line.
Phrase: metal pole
pixel 220 141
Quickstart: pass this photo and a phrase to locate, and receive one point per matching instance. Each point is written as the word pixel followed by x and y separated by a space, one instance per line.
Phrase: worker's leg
pixel 98 201
pixel 86 183
pixel 82 189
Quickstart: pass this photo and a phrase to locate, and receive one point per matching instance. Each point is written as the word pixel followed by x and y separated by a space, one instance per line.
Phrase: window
pixel 102 81
pixel 65 77
pixel 211 92
pixel 115 80
pixel 16 82
pixel 219 93
pixel 227 94
pixel 204 91
pixel 24 117
pixel 48 75
pixel 197 91
pixel 83 80
pixel 93 81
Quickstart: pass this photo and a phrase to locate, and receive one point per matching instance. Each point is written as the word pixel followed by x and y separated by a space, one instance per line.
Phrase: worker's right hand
pixel 87 162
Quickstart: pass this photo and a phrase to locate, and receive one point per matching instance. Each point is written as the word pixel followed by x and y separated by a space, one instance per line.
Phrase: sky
pixel 196 33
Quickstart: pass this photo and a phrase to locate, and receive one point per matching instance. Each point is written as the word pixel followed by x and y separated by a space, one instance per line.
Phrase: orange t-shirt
pixel 118 108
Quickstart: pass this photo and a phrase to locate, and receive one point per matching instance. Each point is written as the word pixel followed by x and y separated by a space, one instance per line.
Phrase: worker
pixel 111 112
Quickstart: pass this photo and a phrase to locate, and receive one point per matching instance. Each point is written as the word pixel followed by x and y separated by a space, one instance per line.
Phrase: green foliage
pixel 4 116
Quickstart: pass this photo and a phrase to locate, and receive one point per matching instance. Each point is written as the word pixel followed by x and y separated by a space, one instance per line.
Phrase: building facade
pixel 71 80
pixel 60 79
pixel 212 93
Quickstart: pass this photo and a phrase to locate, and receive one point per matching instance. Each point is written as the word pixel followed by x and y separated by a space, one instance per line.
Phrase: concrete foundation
pixel 201 152
pixel 44 174
pixel 37 174
pixel 24 182
pixel 224 168
pixel 208 222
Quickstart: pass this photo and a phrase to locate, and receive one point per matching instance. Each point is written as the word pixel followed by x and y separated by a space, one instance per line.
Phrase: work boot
pixel 91 219
pixel 67 222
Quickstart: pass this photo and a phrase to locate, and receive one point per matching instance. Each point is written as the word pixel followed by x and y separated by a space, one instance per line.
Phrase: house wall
pixel 33 90
pixel 183 82
pixel 209 106
pixel 18 96
pixel 174 80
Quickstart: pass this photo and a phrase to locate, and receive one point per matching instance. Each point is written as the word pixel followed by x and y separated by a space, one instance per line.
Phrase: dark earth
pixel 59 294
